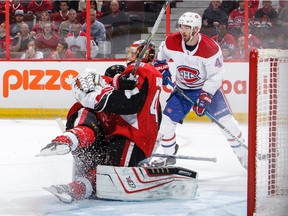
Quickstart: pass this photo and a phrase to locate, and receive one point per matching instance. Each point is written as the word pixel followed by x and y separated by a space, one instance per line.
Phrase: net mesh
pixel 272 133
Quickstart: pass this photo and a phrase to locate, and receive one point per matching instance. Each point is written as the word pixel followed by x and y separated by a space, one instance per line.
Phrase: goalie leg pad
pixel 144 183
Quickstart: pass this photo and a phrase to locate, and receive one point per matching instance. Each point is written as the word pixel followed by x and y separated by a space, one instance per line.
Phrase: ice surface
pixel 222 185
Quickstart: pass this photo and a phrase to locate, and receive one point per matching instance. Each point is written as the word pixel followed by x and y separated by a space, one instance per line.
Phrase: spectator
pixel 280 41
pixel 82 15
pixel 227 53
pixel 36 6
pixel 66 26
pixel 254 4
pixel 82 5
pixel 77 41
pixel 48 40
pixel 240 50
pixel 62 14
pixel 61 52
pixel 214 14
pixel 265 21
pixel 252 39
pixel 283 17
pixel 32 52
pixel 20 42
pixel 229 6
pixel 266 16
pixel 120 27
pixel 223 37
pixel 237 18
pixel 2 11
pixel 38 28
pixel 16 5
pixel 282 5
pixel 3 40
pixel 98 31
pixel 18 21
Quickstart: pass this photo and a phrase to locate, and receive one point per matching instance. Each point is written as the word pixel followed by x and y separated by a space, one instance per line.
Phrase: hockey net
pixel 268 133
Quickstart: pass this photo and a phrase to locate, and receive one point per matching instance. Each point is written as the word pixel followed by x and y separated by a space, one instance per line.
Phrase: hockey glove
pixel 124 82
pixel 163 67
pixel 202 103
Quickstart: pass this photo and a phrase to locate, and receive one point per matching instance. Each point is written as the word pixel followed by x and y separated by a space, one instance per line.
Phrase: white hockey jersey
pixel 200 69
pixel 79 43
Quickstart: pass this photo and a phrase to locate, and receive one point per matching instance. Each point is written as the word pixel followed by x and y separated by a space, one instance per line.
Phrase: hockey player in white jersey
pixel 199 73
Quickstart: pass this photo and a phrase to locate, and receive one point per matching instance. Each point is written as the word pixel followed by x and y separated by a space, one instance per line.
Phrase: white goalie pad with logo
pixel 145 183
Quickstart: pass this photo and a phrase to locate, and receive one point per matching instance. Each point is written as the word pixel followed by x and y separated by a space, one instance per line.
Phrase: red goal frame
pixel 252 128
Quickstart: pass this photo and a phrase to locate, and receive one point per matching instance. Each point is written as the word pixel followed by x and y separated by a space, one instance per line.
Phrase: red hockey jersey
pixel 140 127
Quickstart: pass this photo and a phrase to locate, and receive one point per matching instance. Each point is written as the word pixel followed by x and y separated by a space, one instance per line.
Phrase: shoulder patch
pixel 207 47
pixel 174 42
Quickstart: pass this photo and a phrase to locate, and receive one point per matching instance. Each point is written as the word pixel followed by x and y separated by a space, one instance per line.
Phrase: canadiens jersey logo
pixel 188 74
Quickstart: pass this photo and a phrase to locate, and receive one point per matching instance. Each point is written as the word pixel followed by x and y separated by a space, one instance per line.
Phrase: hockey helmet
pixel 136 48
pixel 114 69
pixel 190 19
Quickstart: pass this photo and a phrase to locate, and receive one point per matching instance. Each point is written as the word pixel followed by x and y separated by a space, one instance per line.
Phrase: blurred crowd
pixel 224 21
pixel 56 29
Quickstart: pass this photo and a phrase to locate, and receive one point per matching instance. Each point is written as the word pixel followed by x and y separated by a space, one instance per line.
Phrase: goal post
pixel 267 185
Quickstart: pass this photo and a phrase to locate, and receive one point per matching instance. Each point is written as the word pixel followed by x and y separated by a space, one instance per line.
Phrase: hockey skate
pixel 55 148
pixel 243 161
pixel 165 161
pixel 62 192
pixel 61 145
pixel 242 155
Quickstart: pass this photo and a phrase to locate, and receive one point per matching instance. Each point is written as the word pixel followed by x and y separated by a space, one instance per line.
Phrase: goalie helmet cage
pixel 267 192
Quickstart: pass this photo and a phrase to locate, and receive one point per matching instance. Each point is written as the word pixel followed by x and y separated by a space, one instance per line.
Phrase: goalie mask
pixel 192 20
pixel 136 48
pixel 114 69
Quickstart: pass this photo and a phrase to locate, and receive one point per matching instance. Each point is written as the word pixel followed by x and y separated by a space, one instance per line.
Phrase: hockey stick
pixel 240 142
pixel 148 41
pixel 60 124
pixel 186 157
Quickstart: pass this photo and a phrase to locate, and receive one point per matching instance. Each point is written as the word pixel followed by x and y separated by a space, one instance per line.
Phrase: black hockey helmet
pixel 114 69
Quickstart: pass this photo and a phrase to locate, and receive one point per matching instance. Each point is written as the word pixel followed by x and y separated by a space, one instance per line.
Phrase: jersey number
pixel 154 107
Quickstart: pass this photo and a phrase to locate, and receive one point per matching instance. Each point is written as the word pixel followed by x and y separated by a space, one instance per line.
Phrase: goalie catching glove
pixel 163 67
pixel 202 103
pixel 91 90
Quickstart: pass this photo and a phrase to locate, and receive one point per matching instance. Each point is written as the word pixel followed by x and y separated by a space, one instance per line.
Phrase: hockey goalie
pixel 111 129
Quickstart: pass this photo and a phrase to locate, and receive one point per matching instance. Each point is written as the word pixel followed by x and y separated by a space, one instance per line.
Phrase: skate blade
pixel 66 198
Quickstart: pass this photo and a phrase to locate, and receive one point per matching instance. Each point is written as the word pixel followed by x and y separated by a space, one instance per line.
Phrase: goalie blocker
pixel 145 183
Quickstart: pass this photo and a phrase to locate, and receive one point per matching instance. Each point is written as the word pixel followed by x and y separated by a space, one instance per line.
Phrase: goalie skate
pixel 54 148
pixel 62 192
pixel 165 161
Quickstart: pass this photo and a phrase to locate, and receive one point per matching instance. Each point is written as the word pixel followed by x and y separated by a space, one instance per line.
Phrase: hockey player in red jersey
pixel 199 73
pixel 108 125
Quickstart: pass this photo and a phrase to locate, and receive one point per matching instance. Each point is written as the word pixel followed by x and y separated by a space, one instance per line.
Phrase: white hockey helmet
pixel 190 19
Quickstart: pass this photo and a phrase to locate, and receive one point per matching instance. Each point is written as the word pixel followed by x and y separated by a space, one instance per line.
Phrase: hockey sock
pixel 81 188
pixel 77 137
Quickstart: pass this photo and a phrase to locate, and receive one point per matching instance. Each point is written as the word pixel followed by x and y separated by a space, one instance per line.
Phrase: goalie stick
pixel 153 31
pixel 240 142
pixel 186 157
